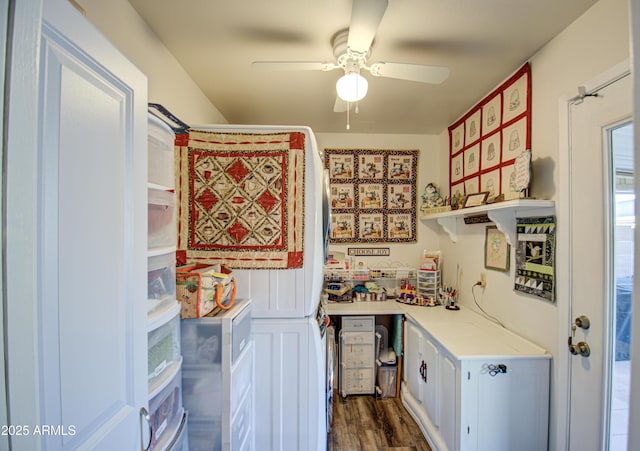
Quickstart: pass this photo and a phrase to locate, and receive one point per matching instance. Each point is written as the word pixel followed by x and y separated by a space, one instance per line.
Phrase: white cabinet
pixel 473 386
pixel 357 355
pixel 290 381
pixel 427 392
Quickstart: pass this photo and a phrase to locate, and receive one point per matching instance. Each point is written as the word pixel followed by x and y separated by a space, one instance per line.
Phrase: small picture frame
pixel 477 199
pixel 497 251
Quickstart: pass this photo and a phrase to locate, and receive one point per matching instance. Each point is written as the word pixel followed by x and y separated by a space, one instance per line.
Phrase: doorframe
pixel 563 243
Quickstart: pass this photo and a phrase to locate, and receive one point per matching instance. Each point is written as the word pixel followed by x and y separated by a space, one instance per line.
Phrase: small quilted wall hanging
pixel 536 256
pixel 240 199
pixel 373 195
pixel 485 143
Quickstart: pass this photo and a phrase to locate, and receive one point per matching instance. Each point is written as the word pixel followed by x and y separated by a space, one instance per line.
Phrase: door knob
pixel 582 348
pixel 582 322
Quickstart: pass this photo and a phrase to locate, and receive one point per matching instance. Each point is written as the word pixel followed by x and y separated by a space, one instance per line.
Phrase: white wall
pixel 429 164
pixel 593 44
pixel 169 84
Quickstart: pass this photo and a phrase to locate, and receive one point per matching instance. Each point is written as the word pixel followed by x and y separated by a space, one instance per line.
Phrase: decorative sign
pixel 369 251
pixel 486 142
pixel 522 169
pixel 373 195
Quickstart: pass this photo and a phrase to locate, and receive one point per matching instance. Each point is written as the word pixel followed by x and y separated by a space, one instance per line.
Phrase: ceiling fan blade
pixel 422 73
pixel 366 15
pixel 293 65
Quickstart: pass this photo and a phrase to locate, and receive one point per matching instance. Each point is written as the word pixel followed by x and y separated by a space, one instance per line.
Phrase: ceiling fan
pixel 352 48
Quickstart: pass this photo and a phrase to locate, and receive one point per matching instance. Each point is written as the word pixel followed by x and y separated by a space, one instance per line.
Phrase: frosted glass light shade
pixel 352 87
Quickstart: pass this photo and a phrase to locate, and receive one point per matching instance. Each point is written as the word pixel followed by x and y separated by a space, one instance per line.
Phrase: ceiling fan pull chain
pixel 348 108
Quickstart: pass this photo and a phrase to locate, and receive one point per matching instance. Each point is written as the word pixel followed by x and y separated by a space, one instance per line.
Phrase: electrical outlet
pixel 483 279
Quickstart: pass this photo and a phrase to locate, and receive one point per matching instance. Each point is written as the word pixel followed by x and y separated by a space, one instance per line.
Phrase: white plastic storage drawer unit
pixel 162 228
pixel 165 411
pixel 161 281
pixel 218 379
pixel 357 355
pixel 163 348
pixel 161 141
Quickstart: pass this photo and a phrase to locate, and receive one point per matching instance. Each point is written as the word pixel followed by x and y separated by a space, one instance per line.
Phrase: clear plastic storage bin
pixel 204 435
pixel 202 392
pixel 161 281
pixel 161 141
pixel 165 410
pixel 201 341
pixel 164 349
pixel 162 228
pixel 386 387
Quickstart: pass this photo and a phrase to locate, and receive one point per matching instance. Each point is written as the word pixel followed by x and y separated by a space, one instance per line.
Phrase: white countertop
pixel 388 307
pixel 464 333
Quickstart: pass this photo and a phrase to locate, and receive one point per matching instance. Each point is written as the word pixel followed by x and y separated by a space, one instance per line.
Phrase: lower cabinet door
pixel 448 404
pixel 430 378
pixel 413 361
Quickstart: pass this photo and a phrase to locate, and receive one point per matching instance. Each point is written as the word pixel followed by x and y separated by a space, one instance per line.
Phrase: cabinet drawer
pixel 161 209
pixel 160 147
pixel 202 392
pixel 201 342
pixel 204 435
pixel 357 338
pixel 241 333
pixel 354 356
pixel 242 377
pixel 165 410
pixel 161 281
pixel 163 349
pixel 358 381
pixel 241 424
pixel 358 323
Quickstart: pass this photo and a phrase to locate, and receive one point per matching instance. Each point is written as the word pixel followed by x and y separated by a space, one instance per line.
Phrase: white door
pixel 592 119
pixel 75 235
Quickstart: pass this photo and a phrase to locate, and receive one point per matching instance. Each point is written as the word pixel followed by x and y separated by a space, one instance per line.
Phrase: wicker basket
pixel 204 290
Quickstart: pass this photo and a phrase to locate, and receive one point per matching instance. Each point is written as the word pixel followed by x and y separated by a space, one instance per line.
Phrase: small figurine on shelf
pixel 432 201
pixel 431 197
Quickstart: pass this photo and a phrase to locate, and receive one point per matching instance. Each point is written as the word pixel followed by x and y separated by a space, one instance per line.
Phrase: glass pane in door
pixel 622 148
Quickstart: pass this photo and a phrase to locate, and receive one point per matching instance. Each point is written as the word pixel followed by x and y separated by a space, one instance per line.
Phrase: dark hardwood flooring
pixel 364 423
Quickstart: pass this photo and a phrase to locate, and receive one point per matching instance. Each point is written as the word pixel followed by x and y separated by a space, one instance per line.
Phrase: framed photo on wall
pixel 497 251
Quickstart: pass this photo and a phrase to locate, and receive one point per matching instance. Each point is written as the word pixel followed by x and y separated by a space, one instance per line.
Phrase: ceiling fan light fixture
pixel 352 87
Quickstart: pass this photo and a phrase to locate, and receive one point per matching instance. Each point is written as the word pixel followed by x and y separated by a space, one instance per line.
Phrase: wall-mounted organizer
pixel 167 417
pixel 389 279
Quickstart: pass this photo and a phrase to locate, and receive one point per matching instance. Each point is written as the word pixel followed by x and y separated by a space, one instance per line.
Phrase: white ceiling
pixel 482 42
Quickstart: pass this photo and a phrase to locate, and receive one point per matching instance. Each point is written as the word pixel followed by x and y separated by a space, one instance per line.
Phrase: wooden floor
pixel 364 423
